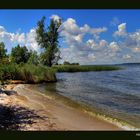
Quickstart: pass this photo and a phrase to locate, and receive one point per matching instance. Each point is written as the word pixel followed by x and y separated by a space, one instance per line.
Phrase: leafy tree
pixel 48 40
pixel 20 54
pixel 34 58
pixel 2 52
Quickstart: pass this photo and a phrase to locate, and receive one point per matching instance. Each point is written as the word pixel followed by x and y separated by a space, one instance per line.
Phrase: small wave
pixel 114 121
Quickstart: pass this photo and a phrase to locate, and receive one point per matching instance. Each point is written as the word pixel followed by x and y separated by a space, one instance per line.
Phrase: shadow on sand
pixel 16 117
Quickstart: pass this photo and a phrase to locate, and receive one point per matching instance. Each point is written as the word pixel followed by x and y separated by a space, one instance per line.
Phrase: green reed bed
pixel 77 68
pixel 27 72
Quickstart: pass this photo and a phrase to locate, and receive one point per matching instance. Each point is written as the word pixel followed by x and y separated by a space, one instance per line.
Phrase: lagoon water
pixel 112 93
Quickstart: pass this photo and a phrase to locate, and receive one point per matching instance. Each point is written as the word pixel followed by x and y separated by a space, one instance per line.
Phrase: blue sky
pixel 26 19
pixel 117 42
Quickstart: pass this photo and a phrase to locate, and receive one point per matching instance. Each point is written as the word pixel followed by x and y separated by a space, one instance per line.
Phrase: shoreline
pixel 87 109
pixel 59 116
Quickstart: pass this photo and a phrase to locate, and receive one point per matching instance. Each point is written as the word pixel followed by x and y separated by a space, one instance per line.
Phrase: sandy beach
pixel 53 115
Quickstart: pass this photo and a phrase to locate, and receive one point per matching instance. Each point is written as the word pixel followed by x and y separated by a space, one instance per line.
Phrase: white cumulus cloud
pixel 114 46
pixel 121 30
pixel 12 39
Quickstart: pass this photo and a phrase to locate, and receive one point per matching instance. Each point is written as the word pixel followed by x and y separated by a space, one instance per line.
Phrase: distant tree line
pixel 68 63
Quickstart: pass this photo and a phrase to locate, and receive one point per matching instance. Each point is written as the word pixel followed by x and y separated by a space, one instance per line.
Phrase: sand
pixel 56 115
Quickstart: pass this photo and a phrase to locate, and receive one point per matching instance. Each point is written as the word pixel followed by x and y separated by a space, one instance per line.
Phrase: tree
pixel 34 59
pixel 48 40
pixel 2 52
pixel 20 54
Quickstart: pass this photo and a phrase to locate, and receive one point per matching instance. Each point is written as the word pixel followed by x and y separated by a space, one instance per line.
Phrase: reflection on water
pixel 114 93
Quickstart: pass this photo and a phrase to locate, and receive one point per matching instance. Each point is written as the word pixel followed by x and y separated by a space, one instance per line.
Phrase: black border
pixel 70 135
pixel 70 4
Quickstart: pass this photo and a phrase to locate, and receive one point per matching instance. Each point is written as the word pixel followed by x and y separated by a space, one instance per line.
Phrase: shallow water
pixel 113 93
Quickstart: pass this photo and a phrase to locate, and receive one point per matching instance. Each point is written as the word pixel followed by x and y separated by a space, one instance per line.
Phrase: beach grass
pixel 27 72
pixel 37 74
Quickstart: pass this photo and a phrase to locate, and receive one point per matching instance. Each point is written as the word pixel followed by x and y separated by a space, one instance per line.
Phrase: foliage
pixel 34 58
pixel 48 40
pixel 20 54
pixel 27 72
pixel 9 71
pixel 3 56
pixel 37 74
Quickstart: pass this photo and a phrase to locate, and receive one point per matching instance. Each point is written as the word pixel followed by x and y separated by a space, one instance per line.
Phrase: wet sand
pixel 59 116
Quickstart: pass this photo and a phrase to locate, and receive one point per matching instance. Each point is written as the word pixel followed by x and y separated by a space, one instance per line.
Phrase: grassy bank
pixel 27 72
pixel 77 68
pixel 37 74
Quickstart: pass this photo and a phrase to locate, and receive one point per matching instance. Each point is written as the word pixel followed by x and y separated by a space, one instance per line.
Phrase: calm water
pixel 113 93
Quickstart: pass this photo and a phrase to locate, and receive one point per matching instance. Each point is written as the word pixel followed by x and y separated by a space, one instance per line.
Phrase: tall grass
pixel 27 72
pixel 76 68
pixel 9 71
pixel 37 74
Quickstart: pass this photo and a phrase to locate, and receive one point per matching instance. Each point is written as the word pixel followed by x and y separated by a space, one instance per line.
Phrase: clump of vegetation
pixel 10 71
pixel 27 72
pixel 37 74
pixel 77 68
pixel 20 54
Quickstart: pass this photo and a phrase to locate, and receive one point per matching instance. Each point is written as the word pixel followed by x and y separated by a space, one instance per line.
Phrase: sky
pixel 87 36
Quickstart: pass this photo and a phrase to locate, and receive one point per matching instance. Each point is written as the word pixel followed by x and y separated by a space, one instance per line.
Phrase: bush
pixel 37 74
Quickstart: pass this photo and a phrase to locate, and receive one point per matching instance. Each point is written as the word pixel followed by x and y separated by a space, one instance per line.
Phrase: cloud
pixel 98 30
pixel 114 47
pixel 103 43
pixel 94 45
pixel 70 27
pixel 127 56
pixel 12 39
pixel 132 41
pixel 78 48
pixel 2 29
pixel 136 49
pixel 91 43
pixel 121 30
pixel 91 56
pixel 30 41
